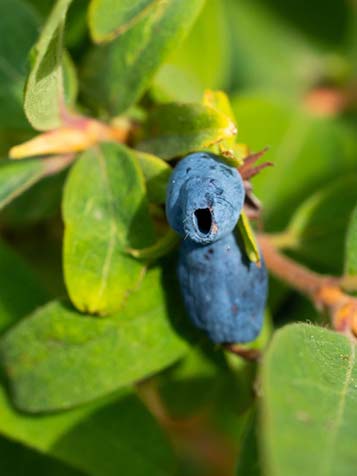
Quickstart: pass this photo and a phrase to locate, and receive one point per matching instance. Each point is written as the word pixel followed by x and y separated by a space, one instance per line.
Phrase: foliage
pixel 102 371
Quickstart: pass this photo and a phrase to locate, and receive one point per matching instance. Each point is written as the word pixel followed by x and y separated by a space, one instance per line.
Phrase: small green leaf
pixel 21 291
pixel 162 247
pixel 351 246
pixel 18 31
pixel 17 177
pixel 318 228
pixel 117 74
pixel 156 172
pixel 58 358
pixel 175 129
pixel 44 93
pixel 35 204
pixel 105 212
pixel 219 100
pixel 116 435
pixel 309 392
pixel 250 243
pixel 109 18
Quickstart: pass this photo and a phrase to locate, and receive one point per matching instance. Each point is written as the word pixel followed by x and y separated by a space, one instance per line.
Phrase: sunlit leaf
pixel 58 358
pixel 44 94
pixel 117 74
pixel 309 403
pixel 175 129
pixel 109 18
pixel 105 212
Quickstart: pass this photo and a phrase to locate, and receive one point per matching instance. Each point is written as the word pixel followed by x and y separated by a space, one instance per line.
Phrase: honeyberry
pixel 224 293
pixel 205 197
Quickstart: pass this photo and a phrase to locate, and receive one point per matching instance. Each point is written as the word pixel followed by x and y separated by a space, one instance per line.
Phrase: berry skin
pixel 204 198
pixel 224 293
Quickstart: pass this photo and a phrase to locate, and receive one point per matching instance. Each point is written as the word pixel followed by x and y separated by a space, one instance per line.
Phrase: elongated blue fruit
pixel 224 293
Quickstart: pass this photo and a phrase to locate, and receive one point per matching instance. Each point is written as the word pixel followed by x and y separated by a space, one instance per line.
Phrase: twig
pixel 325 291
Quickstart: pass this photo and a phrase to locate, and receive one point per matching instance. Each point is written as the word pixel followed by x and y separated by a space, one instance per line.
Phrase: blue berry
pixel 224 293
pixel 204 199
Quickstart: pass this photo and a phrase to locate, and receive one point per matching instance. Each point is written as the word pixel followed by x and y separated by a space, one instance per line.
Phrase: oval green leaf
pixel 116 75
pixel 110 18
pixel 156 172
pixel 176 129
pixel 105 212
pixel 309 389
pixel 58 358
pixel 44 93
pixel 17 177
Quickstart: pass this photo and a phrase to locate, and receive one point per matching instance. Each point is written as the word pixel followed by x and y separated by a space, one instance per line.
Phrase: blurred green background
pixel 290 70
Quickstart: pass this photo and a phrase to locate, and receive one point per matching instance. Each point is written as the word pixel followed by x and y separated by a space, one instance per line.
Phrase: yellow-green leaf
pixel 250 243
pixel 110 18
pixel 105 212
pixel 44 93
pixel 176 129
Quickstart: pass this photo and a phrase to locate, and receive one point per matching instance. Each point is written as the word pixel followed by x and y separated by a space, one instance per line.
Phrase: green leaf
pixel 35 204
pixel 156 172
pixel 318 228
pixel 116 75
pixel 162 247
pixel 109 18
pixel 307 152
pixel 309 392
pixel 187 72
pixel 17 177
pixel 18 31
pixel 105 212
pixel 175 129
pixel 247 235
pixel 21 291
pixel 111 437
pixel 44 93
pixel 58 358
pixel 351 246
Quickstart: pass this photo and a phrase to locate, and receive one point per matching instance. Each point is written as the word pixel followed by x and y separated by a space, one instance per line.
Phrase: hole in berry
pixel 204 220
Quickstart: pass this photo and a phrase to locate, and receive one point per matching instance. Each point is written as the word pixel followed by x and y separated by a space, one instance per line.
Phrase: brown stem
pixel 323 290
pixel 286 269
